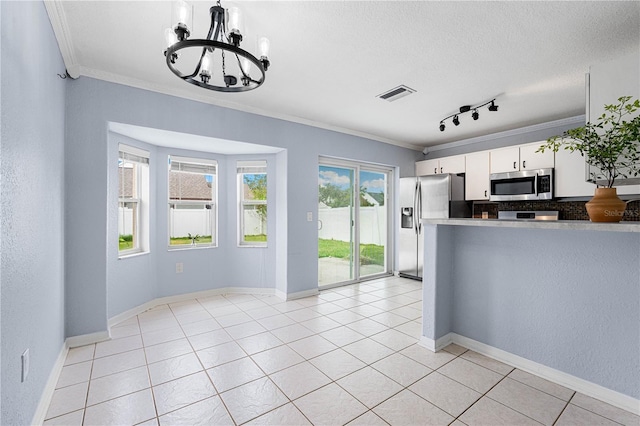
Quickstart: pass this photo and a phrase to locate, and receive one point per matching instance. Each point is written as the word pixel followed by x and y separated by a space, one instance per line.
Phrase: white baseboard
pixel 585 387
pixel 299 295
pixel 435 345
pixel 87 339
pixel 50 387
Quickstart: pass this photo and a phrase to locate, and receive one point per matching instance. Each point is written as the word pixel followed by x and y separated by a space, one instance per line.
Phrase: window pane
pixel 191 186
pixel 191 224
pixel 254 219
pixel 126 179
pixel 254 187
pixel 127 225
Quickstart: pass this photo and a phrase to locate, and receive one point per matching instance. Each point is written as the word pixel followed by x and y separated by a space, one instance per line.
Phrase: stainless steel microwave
pixel 525 185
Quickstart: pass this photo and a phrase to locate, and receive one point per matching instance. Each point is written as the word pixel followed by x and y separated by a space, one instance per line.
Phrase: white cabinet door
pixel 477 176
pixel 453 164
pixel 427 167
pixel 570 175
pixel 531 160
pixel 505 159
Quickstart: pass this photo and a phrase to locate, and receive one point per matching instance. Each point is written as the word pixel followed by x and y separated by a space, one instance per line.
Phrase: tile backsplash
pixel 568 210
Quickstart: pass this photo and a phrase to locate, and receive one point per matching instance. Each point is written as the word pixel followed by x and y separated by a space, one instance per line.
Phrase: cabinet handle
pixel 485 193
pixel 523 164
pixel 440 169
pixel 514 165
pixel 435 170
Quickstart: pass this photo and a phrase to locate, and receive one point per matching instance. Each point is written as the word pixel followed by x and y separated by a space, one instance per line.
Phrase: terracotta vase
pixel 606 206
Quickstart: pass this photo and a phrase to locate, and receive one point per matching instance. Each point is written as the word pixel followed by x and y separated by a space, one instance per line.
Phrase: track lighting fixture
pixel 466 108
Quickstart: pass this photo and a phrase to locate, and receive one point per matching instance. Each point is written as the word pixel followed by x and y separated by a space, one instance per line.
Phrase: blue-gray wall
pixel 89 214
pixel 566 299
pixel 32 156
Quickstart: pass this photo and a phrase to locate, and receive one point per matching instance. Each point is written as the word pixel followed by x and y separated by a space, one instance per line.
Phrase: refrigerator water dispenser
pixel 406 213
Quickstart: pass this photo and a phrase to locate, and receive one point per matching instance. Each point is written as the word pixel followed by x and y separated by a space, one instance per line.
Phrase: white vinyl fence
pixel 335 224
pixel 187 221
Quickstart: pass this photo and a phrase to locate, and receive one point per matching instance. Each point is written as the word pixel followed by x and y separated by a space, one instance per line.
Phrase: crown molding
pixel 61 30
pixel 571 121
pixel 185 94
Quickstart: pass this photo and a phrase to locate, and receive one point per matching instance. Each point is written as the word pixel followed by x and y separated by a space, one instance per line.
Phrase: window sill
pixel 130 255
pixel 187 248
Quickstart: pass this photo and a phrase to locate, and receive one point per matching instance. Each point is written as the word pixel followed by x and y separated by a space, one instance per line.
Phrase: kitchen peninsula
pixel 559 299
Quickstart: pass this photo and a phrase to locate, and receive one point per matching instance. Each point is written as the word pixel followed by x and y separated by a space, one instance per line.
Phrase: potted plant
pixel 612 146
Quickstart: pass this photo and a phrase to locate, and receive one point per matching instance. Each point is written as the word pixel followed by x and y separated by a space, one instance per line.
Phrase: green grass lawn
pixel 261 238
pixel 370 254
pixel 177 241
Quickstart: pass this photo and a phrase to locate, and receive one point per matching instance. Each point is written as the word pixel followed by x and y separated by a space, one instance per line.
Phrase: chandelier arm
pixel 241 68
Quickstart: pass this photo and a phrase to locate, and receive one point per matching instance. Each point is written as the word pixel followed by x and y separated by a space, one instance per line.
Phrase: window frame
pixel 140 161
pixel 244 168
pixel 213 204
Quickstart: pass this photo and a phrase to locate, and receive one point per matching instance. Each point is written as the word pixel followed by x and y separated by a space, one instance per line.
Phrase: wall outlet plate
pixel 179 268
pixel 309 216
pixel 25 365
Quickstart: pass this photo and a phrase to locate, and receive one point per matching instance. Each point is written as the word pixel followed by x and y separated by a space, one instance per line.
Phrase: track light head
pixel 475 114
pixel 456 120
pixel 442 126
pixel 493 106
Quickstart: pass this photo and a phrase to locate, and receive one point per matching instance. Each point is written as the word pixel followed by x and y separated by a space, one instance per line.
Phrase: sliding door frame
pixel 389 171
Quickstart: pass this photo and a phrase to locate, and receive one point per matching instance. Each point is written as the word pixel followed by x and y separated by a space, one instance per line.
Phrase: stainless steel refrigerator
pixel 426 197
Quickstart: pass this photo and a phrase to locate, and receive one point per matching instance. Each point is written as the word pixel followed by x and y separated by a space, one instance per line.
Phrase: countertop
pixel 577 225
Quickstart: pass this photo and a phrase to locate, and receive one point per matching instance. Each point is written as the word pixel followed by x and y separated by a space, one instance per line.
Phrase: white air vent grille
pixel 396 93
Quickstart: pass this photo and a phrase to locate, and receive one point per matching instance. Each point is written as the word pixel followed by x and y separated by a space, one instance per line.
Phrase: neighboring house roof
pixel 125 189
pixel 189 186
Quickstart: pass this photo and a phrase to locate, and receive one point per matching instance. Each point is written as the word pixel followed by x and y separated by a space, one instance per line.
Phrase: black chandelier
pixel 193 60
pixel 466 108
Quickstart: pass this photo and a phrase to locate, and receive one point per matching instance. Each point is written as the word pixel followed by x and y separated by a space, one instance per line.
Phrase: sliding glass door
pixel 353 224
pixel 336 233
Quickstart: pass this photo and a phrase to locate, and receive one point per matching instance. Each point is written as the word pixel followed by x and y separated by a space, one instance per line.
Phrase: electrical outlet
pixel 25 365
pixel 309 216
pixel 179 268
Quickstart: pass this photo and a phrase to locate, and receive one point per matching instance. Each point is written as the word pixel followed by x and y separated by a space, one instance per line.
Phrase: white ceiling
pixel 329 59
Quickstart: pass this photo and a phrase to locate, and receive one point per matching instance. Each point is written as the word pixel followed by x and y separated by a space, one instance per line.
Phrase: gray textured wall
pixel 32 156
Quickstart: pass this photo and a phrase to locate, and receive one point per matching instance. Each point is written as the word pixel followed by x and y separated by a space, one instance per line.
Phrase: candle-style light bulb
pixel 235 19
pixel 170 37
pixel 263 47
pixel 182 15
pixel 205 69
pixel 234 25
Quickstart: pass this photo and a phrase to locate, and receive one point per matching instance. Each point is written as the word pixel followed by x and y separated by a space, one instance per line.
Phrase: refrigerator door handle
pixel 416 202
pixel 418 213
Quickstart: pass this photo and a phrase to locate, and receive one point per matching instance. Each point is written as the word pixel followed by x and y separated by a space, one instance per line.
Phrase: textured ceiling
pixel 330 59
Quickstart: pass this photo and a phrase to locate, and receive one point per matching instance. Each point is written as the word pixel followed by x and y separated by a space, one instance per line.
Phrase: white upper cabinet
pixel 571 175
pixel 522 157
pixel 427 167
pixel 531 160
pixel 476 183
pixel 454 164
pixel 505 160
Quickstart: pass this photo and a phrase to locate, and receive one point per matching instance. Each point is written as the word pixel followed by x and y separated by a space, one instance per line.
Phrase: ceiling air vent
pixel 396 93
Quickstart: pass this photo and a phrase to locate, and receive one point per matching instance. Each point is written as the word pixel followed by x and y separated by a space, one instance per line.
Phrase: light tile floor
pixel 346 356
